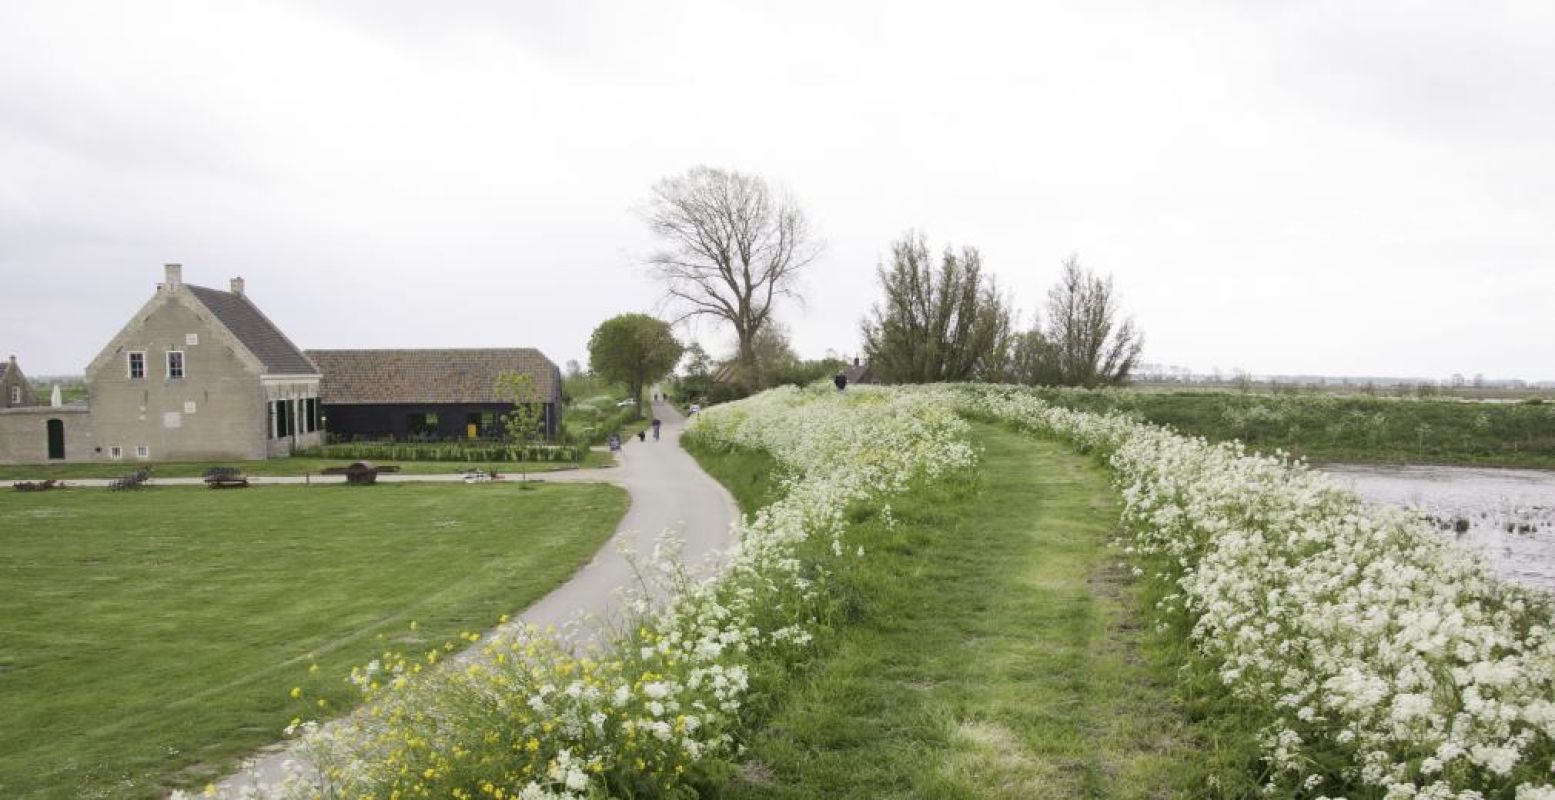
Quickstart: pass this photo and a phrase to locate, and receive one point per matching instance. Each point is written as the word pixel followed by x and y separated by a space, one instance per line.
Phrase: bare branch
pixel 730 248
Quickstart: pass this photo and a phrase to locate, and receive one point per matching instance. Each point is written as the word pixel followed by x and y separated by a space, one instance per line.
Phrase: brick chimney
pixel 237 286
pixel 175 276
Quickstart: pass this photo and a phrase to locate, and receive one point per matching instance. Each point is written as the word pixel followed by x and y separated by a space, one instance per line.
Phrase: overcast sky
pixel 1342 188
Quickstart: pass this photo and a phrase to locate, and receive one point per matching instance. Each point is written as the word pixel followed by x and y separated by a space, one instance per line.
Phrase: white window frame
pixel 16 395
pixel 115 452
pixel 142 451
pixel 191 339
pixel 129 365
pixel 183 365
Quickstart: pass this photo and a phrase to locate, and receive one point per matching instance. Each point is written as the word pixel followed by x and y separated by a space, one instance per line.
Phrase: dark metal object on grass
pixel 361 473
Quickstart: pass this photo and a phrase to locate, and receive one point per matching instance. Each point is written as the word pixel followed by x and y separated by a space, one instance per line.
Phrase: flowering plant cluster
pixel 653 711
pixel 1391 663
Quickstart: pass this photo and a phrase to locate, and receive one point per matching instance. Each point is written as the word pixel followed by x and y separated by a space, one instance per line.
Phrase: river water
pixel 1507 514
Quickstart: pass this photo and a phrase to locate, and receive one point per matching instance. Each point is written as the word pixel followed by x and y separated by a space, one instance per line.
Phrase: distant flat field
pixel 150 639
pixel 276 467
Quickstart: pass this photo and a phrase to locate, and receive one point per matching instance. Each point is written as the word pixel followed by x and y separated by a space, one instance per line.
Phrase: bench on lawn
pixel 360 473
pixel 134 480
pixel 225 478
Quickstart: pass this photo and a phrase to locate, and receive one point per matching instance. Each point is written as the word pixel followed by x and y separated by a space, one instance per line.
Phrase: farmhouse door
pixel 56 439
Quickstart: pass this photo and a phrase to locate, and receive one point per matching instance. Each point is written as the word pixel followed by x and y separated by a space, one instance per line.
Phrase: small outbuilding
pixel 429 394
pixel 14 389
pixel 858 373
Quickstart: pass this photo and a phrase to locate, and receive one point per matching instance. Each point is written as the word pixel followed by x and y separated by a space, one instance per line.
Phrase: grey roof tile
pixel 255 331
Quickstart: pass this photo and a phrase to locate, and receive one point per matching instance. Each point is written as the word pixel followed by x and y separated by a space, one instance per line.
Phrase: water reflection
pixel 1508 514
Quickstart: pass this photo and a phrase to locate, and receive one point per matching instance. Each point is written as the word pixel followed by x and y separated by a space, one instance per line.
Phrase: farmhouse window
pixel 115 452
pixel 137 365
pixel 142 451
pixel 285 421
pixel 175 364
pixel 16 395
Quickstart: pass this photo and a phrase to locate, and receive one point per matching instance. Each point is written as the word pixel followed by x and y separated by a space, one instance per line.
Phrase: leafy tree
pixel 774 356
pixel 633 349
pixel 523 422
pixel 695 361
pixel 731 247
pixel 1083 343
pixel 696 372
pixel 1033 360
pixel 945 324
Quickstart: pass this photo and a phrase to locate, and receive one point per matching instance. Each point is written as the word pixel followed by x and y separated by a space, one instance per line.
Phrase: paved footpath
pixel 669 493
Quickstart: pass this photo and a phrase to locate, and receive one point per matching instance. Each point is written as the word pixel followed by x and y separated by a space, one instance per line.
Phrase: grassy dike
pixel 992 648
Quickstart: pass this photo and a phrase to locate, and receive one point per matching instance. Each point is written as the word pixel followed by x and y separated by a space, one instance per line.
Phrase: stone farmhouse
pixel 196 374
pixel 433 394
pixel 202 374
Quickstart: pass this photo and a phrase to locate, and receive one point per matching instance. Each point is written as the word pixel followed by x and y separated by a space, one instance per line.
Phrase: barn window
pixel 137 365
pixel 175 364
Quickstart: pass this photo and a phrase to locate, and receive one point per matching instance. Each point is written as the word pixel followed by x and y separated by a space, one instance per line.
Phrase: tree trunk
pixel 747 363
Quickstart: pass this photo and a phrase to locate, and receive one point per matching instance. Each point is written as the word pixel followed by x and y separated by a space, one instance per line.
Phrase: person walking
pixel 655 429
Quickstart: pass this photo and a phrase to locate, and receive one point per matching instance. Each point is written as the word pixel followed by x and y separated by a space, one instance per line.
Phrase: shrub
pixel 445 451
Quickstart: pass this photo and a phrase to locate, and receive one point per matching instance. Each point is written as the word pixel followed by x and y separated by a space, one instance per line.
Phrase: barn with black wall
pixel 441 394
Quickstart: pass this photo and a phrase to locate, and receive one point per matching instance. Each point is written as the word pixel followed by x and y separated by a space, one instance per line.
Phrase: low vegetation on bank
pixel 1387 662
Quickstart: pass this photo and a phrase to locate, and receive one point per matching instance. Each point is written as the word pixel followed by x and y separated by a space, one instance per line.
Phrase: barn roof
pixel 463 375
pixel 255 331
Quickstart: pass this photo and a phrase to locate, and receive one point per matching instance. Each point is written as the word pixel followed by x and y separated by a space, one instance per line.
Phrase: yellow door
pixel 470 430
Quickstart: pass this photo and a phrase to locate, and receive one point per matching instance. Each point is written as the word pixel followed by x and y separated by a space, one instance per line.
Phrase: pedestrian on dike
pixel 841 381
pixel 642 436
pixel 615 442
pixel 656 429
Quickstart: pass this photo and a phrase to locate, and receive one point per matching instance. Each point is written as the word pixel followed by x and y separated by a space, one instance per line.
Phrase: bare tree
pixel 730 248
pixel 1084 344
pixel 948 324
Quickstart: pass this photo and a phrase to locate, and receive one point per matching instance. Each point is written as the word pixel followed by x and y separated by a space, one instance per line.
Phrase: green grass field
pixel 275 467
pixel 1344 428
pixel 988 647
pixel 150 639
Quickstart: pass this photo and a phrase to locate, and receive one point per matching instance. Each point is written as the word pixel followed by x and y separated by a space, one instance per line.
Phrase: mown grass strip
pixel 280 467
pixel 148 639
pixel 996 651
